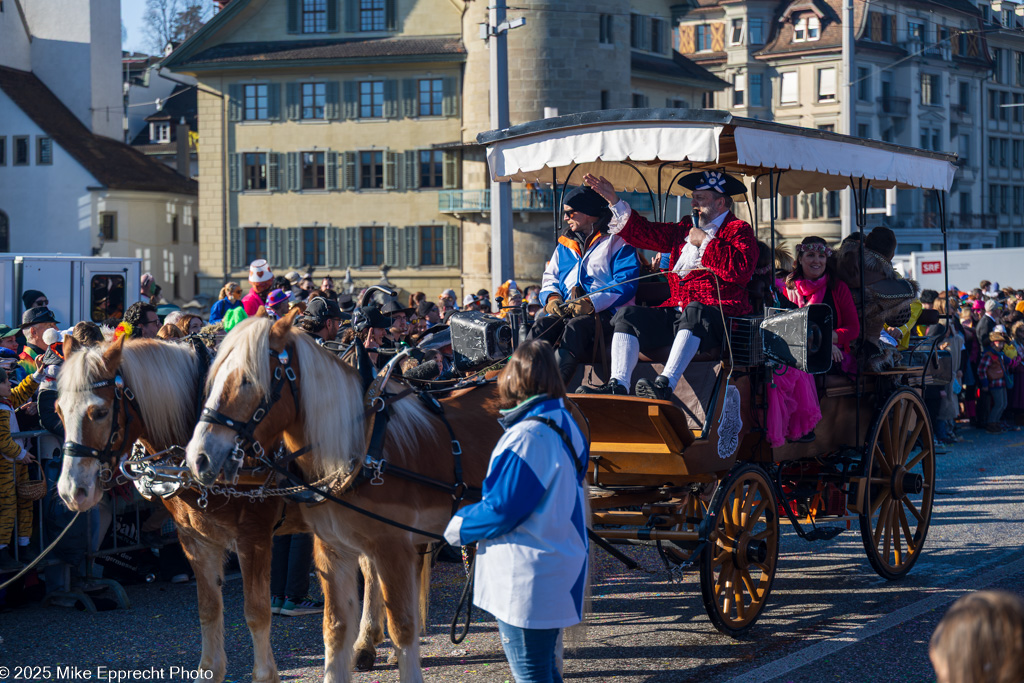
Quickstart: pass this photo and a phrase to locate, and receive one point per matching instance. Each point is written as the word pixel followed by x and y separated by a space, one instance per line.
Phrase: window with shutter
pixel 291 101
pixel 332 170
pixel 293 16
pixel 273 101
pixel 411 239
pixel 411 170
pixel 452 177
pixel 350 177
pixel 686 40
pixel 350 106
pixel 234 172
pixel 409 97
pixel 431 168
pixel 235 103
pixel 451 246
pixel 255 244
pixel 391 15
pixel 451 97
pixel 875 19
pixel 332 102
pixel 333 247
pixel 274 172
pixel 237 255
pixel 294 248
pixel 275 255
pixel 371 245
pixel 313 245
pixel 292 173
pixel 717 37
pixel 392 170
pixel 332 16
pixel 391 99
pixel 432 245
pixel 351 16
pixel 391 254
pixel 352 248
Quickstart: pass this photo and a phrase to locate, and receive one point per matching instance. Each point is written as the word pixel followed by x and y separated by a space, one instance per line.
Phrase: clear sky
pixel 131 16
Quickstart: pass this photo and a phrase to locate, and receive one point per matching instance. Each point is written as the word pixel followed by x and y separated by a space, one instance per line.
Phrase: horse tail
pixel 425 559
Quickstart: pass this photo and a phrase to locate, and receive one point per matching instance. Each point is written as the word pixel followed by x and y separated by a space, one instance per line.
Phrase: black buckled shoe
pixel 612 388
pixel 658 389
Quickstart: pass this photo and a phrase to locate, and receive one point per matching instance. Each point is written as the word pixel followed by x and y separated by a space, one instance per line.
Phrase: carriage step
pixel 823 533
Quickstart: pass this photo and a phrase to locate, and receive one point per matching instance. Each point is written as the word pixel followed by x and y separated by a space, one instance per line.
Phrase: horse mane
pixel 331 396
pixel 162 377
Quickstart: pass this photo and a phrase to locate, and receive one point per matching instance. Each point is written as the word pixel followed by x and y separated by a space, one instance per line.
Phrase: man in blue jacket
pixel 586 259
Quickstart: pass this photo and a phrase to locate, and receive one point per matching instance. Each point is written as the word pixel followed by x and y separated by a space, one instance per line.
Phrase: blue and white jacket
pixel 606 261
pixel 531 534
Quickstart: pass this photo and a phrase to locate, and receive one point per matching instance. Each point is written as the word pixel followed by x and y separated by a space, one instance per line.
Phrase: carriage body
pixel 696 474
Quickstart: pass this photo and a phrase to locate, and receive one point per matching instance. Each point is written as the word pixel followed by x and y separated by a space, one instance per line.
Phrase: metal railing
pixel 523 199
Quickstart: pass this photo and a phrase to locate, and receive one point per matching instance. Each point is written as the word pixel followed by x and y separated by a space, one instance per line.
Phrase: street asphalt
pixel 829 618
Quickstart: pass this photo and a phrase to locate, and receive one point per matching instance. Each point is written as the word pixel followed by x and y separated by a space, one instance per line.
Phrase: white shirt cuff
pixel 621 212
pixel 452 533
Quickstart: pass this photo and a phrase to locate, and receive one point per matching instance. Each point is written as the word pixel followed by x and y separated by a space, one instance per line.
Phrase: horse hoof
pixel 365 660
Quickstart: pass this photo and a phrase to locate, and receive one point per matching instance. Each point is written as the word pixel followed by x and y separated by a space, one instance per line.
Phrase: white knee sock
pixel 625 353
pixel 684 348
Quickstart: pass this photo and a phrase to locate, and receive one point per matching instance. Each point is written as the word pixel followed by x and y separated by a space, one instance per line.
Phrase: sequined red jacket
pixel 729 258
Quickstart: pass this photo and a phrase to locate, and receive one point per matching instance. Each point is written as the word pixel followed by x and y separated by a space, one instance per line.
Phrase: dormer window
pixel 160 132
pixel 800 30
pixel 813 28
pixel 807 28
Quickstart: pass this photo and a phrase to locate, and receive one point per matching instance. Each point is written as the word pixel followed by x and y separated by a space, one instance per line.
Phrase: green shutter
pixel 392 170
pixel 273 101
pixel 410 91
pixel 235 104
pixel 294 181
pixel 349 179
pixel 350 108
pixel 451 246
pixel 332 16
pixel 332 101
pixel 274 255
pixel 294 248
pixel 273 171
pixel 451 171
pixel 353 248
pixel 391 245
pixel 332 246
pixel 450 103
pixel 331 160
pixel 293 100
pixel 391 99
pixel 412 170
pixel 352 16
pixel 235 172
pixel 412 246
pixel 237 249
pixel 391 15
pixel 293 16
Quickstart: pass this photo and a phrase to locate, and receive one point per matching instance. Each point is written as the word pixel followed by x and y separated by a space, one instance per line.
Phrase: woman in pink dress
pixel 793 409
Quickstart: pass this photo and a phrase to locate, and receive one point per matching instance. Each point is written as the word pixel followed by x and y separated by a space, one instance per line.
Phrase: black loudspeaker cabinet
pixel 479 339
pixel 800 338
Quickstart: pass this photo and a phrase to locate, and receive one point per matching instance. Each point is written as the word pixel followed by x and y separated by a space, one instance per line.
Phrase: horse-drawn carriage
pixel 695 474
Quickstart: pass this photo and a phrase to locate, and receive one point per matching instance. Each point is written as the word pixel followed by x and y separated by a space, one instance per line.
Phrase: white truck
pixel 968 267
pixel 78 287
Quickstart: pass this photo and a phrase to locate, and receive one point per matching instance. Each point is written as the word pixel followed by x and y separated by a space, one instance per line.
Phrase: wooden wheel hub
pixel 750 551
pixel 906 483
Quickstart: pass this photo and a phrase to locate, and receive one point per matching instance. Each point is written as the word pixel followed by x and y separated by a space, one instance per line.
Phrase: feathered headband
pixel 814 248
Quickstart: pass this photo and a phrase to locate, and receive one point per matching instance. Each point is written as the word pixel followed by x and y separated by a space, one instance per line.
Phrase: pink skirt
pixel 793 408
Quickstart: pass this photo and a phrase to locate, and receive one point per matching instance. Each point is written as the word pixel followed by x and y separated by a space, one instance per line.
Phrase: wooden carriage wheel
pixel 693 509
pixel 737 567
pixel 899 485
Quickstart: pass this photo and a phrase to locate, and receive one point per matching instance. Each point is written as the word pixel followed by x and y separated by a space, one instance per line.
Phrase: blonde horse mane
pixel 331 396
pixel 161 376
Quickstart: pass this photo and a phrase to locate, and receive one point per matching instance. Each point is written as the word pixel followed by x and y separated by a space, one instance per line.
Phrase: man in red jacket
pixel 710 268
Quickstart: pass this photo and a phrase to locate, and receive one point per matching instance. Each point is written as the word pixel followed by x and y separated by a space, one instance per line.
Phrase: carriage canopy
pixel 660 144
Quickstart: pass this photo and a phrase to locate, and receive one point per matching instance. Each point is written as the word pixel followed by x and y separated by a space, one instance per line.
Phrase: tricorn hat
pixel 716 181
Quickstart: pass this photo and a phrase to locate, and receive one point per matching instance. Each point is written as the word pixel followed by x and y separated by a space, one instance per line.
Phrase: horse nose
pixel 81 496
pixel 203 467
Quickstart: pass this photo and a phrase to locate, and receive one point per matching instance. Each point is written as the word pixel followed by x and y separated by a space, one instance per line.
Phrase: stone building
pixel 920 72
pixel 341 134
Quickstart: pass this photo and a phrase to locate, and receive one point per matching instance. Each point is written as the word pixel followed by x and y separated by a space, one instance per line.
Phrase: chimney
pixel 182 156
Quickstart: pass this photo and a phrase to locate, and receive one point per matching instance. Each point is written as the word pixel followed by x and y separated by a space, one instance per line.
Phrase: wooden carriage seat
pixel 695 393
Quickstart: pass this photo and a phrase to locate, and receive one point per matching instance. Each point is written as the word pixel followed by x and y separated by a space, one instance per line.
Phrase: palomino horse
pixel 322 407
pixel 100 424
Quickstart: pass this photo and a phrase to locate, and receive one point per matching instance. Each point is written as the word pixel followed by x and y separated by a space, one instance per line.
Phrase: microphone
pixel 423 371
pixel 695 217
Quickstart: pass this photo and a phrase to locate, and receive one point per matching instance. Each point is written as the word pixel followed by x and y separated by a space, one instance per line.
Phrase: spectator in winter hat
pixel 277 303
pixel 33 298
pixel 449 302
pixel 262 281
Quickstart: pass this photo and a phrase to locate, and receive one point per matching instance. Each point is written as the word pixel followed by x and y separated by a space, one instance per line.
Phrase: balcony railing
pixel 895 106
pixel 973 221
pixel 539 200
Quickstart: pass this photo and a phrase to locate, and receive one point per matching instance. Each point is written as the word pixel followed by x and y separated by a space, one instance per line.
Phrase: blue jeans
pixel 531 652
pixel 289 565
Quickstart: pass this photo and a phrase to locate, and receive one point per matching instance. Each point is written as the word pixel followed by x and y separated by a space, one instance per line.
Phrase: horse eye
pixel 100 414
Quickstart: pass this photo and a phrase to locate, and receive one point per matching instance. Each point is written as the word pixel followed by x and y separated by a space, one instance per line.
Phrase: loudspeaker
pixel 800 338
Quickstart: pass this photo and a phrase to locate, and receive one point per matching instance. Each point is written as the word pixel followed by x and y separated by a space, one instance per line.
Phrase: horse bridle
pixel 122 394
pixel 245 432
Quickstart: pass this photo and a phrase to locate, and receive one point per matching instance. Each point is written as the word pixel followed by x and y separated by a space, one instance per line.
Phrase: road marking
pixel 812 653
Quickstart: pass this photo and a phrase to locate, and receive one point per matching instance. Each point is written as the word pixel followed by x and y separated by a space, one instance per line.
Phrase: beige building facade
pixel 340 134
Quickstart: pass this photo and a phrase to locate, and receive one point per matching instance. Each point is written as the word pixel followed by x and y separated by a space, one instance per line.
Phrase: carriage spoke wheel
pixel 737 566
pixel 694 508
pixel 899 471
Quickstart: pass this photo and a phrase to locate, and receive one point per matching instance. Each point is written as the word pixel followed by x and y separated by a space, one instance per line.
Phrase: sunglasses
pixel 570 213
pixel 42 302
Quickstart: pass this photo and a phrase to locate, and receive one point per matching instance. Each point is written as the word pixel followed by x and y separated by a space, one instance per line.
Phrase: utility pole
pixel 849 111
pixel 495 32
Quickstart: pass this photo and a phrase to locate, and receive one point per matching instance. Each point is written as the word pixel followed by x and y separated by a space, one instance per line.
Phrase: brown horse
pixel 164 380
pixel 323 408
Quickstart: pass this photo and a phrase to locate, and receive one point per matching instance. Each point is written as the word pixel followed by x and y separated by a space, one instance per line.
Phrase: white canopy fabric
pixel 661 145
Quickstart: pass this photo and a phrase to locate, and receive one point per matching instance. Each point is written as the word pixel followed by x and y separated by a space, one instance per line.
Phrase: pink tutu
pixel 793 408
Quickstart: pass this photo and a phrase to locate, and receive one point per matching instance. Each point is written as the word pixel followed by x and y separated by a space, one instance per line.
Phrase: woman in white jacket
pixel 530 526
